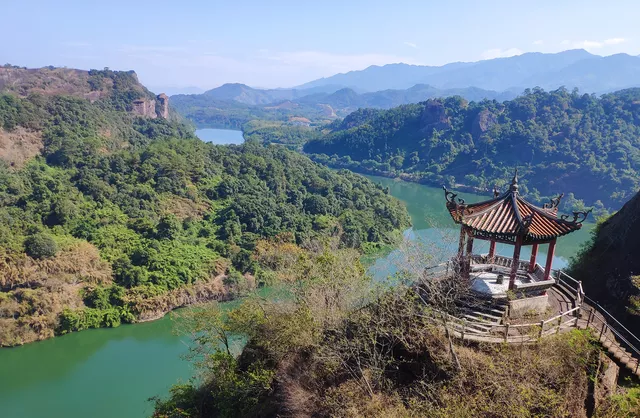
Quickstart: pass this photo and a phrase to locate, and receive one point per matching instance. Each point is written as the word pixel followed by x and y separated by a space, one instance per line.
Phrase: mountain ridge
pixel 500 74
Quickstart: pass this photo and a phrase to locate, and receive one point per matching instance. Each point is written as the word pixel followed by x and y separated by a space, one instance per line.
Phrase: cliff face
pixel 609 269
pixel 162 106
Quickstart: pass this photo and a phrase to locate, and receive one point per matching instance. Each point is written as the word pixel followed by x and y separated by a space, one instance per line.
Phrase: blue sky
pixel 273 43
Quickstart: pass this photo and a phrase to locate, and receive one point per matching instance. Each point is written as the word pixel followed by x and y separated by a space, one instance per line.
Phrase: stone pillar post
pixel 550 253
pixel 532 260
pixel 467 261
pixel 515 261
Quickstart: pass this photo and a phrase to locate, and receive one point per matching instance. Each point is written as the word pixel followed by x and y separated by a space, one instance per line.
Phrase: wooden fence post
pixel 604 324
pixel 464 325
pixel 589 318
pixel 559 323
pixel 541 328
pixel 506 332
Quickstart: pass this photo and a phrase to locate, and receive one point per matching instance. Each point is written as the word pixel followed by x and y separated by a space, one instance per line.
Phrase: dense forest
pixel 561 141
pixel 112 217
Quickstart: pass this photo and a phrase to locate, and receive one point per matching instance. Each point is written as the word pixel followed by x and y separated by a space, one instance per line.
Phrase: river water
pixel 220 136
pixel 107 373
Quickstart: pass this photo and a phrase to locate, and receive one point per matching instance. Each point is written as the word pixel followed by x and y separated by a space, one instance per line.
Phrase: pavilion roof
pixel 508 215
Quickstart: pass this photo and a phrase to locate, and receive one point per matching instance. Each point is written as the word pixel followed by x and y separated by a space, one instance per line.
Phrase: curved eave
pixel 508 216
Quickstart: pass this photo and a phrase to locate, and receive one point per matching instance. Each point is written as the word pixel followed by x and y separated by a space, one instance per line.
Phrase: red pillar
pixel 516 261
pixel 532 260
pixel 492 249
pixel 547 266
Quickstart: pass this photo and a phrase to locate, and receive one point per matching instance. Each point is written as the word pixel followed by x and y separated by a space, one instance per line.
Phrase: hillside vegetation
pixel 115 217
pixel 561 141
pixel 609 266
pixel 335 348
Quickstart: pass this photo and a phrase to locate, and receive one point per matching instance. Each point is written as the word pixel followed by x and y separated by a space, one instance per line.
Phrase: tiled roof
pixel 508 215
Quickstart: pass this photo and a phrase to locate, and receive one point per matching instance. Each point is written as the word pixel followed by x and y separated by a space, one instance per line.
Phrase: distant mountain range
pixel 235 104
pixel 398 84
pixel 575 68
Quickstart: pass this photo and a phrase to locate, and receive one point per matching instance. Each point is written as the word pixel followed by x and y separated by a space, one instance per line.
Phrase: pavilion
pixel 509 219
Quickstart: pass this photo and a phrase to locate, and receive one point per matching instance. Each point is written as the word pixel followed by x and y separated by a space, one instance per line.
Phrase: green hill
pixel 110 212
pixel 561 141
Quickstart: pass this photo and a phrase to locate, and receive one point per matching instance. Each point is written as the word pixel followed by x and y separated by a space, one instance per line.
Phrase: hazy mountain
pixel 235 104
pixel 244 94
pixel 575 68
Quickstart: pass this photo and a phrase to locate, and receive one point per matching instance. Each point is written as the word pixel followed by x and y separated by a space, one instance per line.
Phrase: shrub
pixel 40 246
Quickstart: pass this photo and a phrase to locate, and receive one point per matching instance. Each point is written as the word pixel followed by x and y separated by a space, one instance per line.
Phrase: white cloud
pixel 615 41
pixel 590 45
pixel 411 44
pixel 538 42
pixel 500 53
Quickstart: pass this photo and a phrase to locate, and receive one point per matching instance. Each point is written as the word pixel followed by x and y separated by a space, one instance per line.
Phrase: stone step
pixel 489 314
pixel 478 320
pixel 569 293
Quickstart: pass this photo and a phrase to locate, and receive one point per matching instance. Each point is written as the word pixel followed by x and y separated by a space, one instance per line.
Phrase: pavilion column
pixel 463 235
pixel 550 253
pixel 469 253
pixel 532 260
pixel 492 249
pixel 460 264
pixel 515 261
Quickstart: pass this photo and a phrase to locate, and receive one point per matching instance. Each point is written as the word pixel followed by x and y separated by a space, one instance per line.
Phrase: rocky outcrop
pixel 609 269
pixel 149 108
pixel 162 106
pixel 482 123
pixel 434 117
pixel 144 107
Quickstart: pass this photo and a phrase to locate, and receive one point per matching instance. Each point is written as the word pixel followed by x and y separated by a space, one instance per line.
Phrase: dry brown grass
pixel 36 291
pixel 19 145
pixel 184 208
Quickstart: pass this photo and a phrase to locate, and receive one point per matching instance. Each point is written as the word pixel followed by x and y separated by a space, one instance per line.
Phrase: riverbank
pixel 139 361
pixel 411 178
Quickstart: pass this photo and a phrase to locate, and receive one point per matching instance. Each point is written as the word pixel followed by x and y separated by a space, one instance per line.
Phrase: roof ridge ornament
pixel 578 217
pixel 514 182
pixel 451 197
pixel 553 203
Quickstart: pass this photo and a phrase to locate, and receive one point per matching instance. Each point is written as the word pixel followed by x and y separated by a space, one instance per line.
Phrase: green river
pixel 112 372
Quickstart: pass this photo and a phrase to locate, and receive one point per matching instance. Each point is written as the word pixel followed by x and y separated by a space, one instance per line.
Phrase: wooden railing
pixel 610 330
pixel 587 313
pixel 507 262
